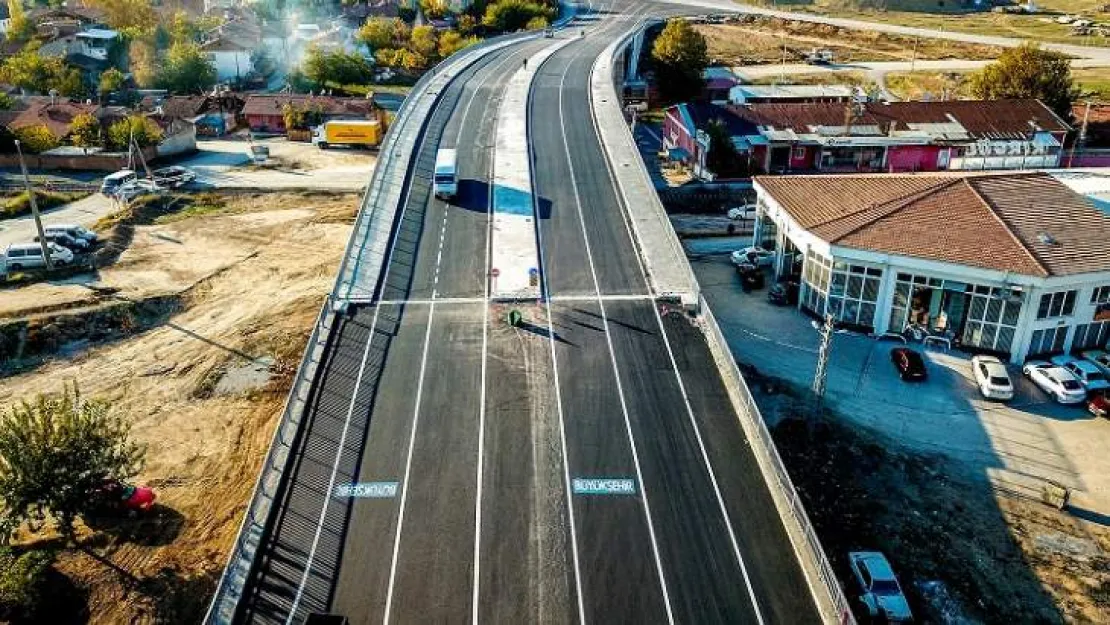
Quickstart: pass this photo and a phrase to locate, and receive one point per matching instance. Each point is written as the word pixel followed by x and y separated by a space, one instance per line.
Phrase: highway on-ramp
pixel 585 465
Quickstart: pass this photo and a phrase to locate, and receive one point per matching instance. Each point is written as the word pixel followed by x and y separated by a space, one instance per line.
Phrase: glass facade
pixel 979 316
pixel 1048 341
pixel 854 294
pixel 814 289
pixel 1091 335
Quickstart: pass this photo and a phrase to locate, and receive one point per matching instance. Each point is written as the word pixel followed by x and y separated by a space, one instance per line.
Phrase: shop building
pixel 1015 264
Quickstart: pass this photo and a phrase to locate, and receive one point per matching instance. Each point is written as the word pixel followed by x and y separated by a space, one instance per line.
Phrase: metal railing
pixel 376 215
pixel 806 544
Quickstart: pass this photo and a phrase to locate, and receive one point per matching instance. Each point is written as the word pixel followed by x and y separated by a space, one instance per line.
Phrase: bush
pixel 144 131
pixel 37 139
pixel 22 580
pixel 21 203
pixel 510 15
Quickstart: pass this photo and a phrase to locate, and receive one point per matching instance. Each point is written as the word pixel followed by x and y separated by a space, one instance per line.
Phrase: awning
pixel 678 154
pixel 1045 140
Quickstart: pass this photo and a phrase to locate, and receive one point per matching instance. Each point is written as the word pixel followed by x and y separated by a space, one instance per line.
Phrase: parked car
pixel 882 594
pixel 66 241
pixel 1099 404
pixel 1099 357
pixel 173 176
pixel 754 255
pixel 910 364
pixel 751 277
pixel 29 256
pixel 783 293
pixel 135 188
pixel 992 378
pixel 1088 373
pixel 112 182
pixel 742 213
pixel 73 230
pixel 1055 380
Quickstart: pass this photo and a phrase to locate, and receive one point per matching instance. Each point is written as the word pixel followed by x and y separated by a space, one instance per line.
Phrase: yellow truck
pixel 354 132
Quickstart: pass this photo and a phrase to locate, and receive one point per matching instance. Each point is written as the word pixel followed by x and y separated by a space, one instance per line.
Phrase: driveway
pixel 1017 445
pixel 226 164
pixel 83 212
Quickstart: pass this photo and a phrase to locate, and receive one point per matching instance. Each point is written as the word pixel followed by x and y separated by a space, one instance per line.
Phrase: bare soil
pixel 252 277
pixel 961 549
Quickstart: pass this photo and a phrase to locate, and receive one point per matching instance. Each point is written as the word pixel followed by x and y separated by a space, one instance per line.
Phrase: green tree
pixel 55 452
pixel 144 131
pixel 340 68
pixel 6 102
pixel 111 79
pixel 451 42
pixel 29 71
pixel 36 140
pixel 144 63
pixel 23 579
pixel 84 132
pixel 509 15
pixel 434 9
pixel 378 32
pixel 537 23
pixel 187 69
pixel 1029 72
pixel 424 41
pixel 20 29
pixel 680 56
pixel 134 15
pixel 723 159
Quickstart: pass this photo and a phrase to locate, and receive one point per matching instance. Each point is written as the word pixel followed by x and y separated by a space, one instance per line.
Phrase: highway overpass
pixel 587 465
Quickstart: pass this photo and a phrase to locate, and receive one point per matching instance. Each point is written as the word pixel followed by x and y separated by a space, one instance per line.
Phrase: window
pixel 799 153
pixel 1048 341
pixel 815 282
pixel 854 293
pixel 1101 295
pixel 1091 335
pixel 1058 304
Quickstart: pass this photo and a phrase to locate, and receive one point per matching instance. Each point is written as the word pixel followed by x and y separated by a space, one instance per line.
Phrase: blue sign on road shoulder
pixel 368 490
pixel 603 486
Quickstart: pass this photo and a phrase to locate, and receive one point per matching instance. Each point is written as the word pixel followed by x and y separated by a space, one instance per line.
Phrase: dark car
pixel 783 294
pixel 910 364
pixel 1098 404
pixel 751 276
pixel 66 241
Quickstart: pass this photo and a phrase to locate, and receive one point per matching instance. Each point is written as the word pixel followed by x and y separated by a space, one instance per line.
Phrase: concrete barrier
pixel 672 275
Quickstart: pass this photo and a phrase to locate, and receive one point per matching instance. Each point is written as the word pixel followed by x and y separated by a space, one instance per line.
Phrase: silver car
pixel 881 592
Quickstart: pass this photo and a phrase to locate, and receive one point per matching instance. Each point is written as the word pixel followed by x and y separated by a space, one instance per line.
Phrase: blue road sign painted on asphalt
pixel 368 490
pixel 603 486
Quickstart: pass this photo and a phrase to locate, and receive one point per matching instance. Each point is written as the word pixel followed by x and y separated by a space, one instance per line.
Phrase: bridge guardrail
pixel 826 590
pixel 376 216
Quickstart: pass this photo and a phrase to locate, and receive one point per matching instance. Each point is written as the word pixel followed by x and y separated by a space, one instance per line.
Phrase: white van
pixel 29 256
pixel 446 181
pixel 112 182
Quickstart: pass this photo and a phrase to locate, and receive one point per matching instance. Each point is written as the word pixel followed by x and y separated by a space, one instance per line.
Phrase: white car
pixel 992 378
pixel 742 213
pixel 1055 380
pixel 881 592
pixel 1100 358
pixel 754 255
pixel 135 188
pixel 1088 373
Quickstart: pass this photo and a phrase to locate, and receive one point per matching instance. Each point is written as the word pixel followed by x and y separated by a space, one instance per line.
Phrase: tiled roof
pixel 58 117
pixel 1025 223
pixel 258 104
pixel 982 119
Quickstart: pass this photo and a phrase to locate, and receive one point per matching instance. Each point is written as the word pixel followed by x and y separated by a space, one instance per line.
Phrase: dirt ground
pixel 757 41
pixel 964 552
pixel 252 277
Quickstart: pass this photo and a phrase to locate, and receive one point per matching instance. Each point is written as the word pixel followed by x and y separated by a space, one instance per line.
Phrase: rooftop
pixel 1025 223
pixel 770 92
pixel 272 104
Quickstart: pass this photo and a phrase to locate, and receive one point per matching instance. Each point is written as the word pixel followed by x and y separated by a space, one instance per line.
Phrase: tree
pixel 36 139
pixel 423 41
pixel 111 79
pixel 681 55
pixel 378 32
pixel 23 579
pixel 55 452
pixel 187 69
pixel 723 159
pixel 1029 72
pixel 537 23
pixel 434 9
pixel 31 72
pixel 466 24
pixel 509 15
pixel 20 29
pixel 134 15
pixel 144 131
pixel 451 42
pixel 340 68
pixel 84 132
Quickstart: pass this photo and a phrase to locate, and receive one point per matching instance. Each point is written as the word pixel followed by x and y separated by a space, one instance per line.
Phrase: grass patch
pixel 1094 84
pixel 202 204
pixel 20 204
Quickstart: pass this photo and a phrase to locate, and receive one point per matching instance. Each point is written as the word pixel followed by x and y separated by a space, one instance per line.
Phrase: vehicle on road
pixel 66 241
pixel 73 230
pixel 1088 373
pixel 1055 380
pixel 909 363
pixel 112 182
pixel 1100 358
pixel 742 213
pixel 1099 404
pixel 753 255
pixel 882 594
pixel 135 188
pixel 445 180
pixel 819 56
pixel 29 256
pixel 115 496
pixel 751 277
pixel 783 293
pixel 173 176
pixel 992 378
pixel 366 133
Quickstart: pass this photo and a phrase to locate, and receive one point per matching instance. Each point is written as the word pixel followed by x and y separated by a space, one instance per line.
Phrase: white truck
pixel 446 182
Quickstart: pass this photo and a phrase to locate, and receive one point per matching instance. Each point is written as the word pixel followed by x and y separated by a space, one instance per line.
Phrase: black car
pixel 783 293
pixel 910 364
pixel 751 277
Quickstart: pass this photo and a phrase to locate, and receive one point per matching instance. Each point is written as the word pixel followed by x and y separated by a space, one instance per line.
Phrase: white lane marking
pixel 607 298
pixel 686 399
pixel 428 301
pixel 555 374
pixel 613 357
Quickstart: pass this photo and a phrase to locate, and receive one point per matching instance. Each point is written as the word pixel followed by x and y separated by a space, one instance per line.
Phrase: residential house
pixel 213 115
pixel 1014 264
pixel 88 50
pixel 231 58
pixel 264 112
pixel 719 81
pixel 885 137
pixel 57 114
pixel 5 19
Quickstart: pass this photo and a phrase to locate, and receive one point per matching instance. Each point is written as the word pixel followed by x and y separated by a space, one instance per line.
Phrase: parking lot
pixel 1017 444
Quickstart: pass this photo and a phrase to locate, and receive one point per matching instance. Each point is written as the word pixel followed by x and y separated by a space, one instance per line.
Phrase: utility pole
pixel 43 243
pixel 913 59
pixel 1082 136
pixel 821 374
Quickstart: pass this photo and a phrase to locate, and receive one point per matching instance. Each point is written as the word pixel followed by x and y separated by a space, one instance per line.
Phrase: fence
pixel 373 227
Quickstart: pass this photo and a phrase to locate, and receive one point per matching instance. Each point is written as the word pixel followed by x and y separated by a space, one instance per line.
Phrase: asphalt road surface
pixel 583 466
